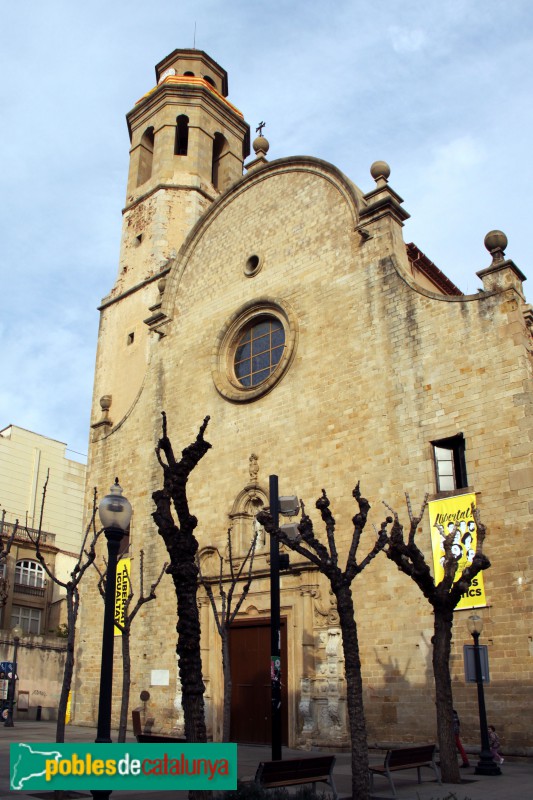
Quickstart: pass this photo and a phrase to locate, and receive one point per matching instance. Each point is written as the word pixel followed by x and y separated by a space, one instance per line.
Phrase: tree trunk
pixel 69 666
pixel 188 650
pixel 126 683
pixel 190 661
pixel 442 638
pixel 228 685
pixel 182 548
pixel 65 690
pixel 354 692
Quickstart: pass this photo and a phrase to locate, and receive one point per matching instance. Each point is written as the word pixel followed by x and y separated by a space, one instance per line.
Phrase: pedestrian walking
pixel 494 744
pixel 458 743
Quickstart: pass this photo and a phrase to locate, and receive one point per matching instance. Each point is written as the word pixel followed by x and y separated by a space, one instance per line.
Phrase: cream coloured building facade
pixel 28 598
pixel 285 303
pixel 27 459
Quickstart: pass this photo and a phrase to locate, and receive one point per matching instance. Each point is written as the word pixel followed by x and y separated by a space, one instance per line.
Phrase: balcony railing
pixel 27 535
pixel 34 591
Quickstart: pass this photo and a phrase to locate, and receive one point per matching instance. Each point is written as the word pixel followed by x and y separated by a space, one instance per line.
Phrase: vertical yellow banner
pixel 67 712
pixel 455 514
pixel 122 590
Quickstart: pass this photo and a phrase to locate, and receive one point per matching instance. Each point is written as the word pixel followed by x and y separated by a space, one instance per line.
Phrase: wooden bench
pixel 399 758
pixel 146 736
pixel 294 771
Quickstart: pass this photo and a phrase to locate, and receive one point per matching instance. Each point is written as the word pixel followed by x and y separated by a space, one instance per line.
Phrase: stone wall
pixel 380 369
pixel 40 664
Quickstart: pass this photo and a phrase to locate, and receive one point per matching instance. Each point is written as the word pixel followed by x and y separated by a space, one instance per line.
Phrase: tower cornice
pixel 188 81
pixel 179 89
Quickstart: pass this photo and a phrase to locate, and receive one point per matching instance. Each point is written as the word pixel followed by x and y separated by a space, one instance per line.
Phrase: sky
pixel 441 91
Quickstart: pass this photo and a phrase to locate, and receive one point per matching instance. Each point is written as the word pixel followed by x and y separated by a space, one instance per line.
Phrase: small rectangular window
pixel 29 619
pixel 450 463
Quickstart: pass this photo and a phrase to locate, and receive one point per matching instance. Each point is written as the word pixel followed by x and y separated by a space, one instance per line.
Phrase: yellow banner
pixel 454 515
pixel 67 712
pixel 122 590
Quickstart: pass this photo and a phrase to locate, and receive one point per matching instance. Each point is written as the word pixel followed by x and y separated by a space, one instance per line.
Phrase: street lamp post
pixel 486 765
pixel 287 506
pixel 17 633
pixel 275 624
pixel 115 514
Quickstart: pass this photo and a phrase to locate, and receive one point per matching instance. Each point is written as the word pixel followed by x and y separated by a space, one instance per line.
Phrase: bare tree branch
pixel 72 596
pixel 9 541
pixel 326 559
pixel 225 617
pixel 4 554
pixel 443 597
pixel 125 630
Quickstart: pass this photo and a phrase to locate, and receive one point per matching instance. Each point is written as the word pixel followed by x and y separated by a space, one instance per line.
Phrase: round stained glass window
pixel 254 349
pixel 258 351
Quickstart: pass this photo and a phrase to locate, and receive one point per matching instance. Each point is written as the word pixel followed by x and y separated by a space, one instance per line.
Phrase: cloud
pixel 407 40
pixel 457 158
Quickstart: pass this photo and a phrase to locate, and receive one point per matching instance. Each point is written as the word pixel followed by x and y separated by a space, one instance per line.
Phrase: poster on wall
pixel 122 590
pixel 455 514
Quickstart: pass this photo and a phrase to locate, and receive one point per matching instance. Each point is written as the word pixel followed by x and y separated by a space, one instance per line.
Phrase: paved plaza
pixel 515 782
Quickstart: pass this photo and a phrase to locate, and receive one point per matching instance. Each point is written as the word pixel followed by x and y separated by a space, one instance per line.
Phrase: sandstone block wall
pixel 380 369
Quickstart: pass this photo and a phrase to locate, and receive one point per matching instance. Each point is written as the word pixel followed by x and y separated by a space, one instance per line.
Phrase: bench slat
pixel 294 781
pixel 384 769
pixel 310 775
pixel 410 755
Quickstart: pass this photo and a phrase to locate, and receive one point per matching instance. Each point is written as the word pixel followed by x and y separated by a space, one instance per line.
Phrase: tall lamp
pixel 287 507
pixel 17 633
pixel 486 765
pixel 115 515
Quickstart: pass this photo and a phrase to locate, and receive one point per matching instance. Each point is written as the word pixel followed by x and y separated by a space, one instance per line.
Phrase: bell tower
pixel 188 144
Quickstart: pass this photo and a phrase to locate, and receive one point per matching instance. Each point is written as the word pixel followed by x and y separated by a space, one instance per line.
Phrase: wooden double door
pixel 250 672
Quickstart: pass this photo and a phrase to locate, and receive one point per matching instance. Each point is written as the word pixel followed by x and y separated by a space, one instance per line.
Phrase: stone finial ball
pixel 495 240
pixel 261 144
pixel 380 169
pixel 105 402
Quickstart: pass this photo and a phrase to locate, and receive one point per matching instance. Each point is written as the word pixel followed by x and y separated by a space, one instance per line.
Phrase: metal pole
pixel 275 623
pixel 103 730
pixel 11 688
pixel 486 765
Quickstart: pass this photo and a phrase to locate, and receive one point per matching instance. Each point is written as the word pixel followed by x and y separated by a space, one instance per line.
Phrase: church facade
pixel 285 304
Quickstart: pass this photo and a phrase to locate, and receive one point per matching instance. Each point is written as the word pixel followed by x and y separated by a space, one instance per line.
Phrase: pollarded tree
pixel 226 615
pixel 443 597
pixel 125 630
pixel 182 547
pixel 72 597
pixel 326 558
